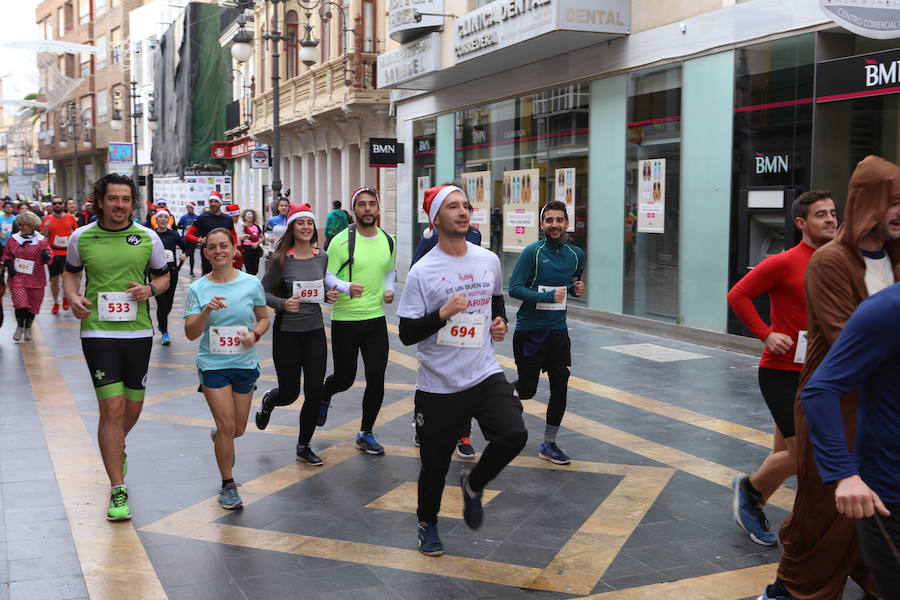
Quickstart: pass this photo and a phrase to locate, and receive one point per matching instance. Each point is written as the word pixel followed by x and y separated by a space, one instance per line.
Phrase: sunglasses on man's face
pixel 57 203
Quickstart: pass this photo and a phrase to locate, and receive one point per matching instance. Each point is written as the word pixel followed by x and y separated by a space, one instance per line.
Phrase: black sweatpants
pixel 440 418
pixel 165 300
pixel 547 350
pixel 293 352
pixel 882 553
pixel 348 340
pixel 251 259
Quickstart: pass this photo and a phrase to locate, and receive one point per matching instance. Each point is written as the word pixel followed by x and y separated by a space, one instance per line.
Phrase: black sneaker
pixel 464 448
pixel 429 541
pixel 473 512
pixel 323 412
pixel 263 412
pixel 306 454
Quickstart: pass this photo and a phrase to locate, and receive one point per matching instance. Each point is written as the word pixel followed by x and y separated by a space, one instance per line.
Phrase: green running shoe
pixel 118 506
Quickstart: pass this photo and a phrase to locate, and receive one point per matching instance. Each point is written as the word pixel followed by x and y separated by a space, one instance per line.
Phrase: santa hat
pixel 231 209
pixel 191 203
pixel 160 213
pixel 362 190
pixel 214 195
pixel 299 211
pixel 434 197
pixel 161 202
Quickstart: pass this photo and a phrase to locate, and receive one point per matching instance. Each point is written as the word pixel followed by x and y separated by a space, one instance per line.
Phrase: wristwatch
pixel 152 289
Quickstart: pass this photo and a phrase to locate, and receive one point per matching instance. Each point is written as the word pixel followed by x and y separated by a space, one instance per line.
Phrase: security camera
pixel 417 16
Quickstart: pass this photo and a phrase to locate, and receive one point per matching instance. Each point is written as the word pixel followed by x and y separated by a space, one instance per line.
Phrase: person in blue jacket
pixel 864 357
pixel 546 272
pixel 430 239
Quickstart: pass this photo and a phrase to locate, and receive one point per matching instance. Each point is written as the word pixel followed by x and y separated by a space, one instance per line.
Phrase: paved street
pixel 658 428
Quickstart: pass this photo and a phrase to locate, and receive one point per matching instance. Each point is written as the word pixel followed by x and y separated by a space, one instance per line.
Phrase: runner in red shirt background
pixel 781 276
pixel 57 226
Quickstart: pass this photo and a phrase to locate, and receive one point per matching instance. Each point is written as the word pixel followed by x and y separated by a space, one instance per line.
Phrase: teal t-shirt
pixel 242 295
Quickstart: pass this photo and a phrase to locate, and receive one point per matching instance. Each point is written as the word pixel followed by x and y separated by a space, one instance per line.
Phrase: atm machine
pixel 764 227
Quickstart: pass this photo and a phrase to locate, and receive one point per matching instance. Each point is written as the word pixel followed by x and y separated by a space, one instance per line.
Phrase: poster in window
pixel 565 193
pixel 652 196
pixel 422 184
pixel 478 188
pixel 521 200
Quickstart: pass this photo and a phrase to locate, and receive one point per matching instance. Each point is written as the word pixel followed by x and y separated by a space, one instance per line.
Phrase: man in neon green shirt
pixel 357 319
pixel 116 331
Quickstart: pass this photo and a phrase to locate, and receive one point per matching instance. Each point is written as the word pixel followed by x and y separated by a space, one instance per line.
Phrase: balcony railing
pixel 322 89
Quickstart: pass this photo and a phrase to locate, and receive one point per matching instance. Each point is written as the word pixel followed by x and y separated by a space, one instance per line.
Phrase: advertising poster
pixel 652 196
pixel 422 184
pixel 478 188
pixel 521 200
pixel 565 193
pixel 194 187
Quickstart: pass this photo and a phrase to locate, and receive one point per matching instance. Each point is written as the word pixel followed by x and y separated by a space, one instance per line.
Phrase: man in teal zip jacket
pixel 545 273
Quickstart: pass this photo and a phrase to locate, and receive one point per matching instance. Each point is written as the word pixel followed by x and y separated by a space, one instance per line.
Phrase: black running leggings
pixel 293 352
pixel 165 300
pixel 348 340
pixel 24 317
pixel 552 355
pixel 439 419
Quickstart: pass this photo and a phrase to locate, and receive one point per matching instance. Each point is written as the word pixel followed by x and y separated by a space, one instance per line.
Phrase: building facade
pixel 86 92
pixel 678 133
pixel 330 107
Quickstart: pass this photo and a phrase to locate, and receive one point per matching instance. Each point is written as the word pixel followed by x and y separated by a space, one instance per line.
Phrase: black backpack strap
pixel 351 246
pixel 390 241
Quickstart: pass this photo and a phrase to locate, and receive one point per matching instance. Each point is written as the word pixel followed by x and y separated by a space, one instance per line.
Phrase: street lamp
pixel 69 120
pixel 241 52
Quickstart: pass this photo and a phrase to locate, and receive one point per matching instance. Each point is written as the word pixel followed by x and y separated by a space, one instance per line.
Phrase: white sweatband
pixel 439 199
pixel 300 215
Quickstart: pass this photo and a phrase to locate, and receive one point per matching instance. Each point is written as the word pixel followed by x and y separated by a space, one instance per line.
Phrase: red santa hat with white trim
pixel 215 195
pixel 299 211
pixel 434 197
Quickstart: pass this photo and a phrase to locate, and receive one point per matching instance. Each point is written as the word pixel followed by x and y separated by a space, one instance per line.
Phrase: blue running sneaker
pixel 775 591
pixel 554 454
pixel 323 412
pixel 473 513
pixel 368 444
pixel 166 340
pixel 429 542
pixel 749 516
pixel 229 498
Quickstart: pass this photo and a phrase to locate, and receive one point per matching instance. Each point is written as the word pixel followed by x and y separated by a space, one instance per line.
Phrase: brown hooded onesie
pixel 820 548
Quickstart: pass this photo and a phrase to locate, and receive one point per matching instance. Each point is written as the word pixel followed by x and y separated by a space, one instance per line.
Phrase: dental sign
pixel 504 23
pixel 862 76
pixel 402 23
pixel 879 19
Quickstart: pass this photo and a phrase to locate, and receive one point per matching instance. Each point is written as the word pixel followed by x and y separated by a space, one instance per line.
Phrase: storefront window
pixel 652 181
pixel 516 155
pixel 423 172
pixel 772 151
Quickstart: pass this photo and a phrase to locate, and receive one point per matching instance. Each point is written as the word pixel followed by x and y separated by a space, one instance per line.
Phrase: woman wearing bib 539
pixel 227 308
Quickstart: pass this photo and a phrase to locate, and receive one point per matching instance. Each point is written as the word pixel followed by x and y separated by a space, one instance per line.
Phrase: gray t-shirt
pixel 279 285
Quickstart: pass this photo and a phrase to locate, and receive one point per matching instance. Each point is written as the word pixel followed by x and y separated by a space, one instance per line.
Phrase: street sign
pixel 259 159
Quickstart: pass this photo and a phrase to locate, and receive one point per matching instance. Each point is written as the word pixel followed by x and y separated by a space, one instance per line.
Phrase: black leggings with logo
pixel 439 419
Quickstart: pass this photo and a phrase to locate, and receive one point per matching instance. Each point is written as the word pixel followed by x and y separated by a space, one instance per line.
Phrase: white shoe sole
pixel 465 456
pixel 555 461
pixel 115 519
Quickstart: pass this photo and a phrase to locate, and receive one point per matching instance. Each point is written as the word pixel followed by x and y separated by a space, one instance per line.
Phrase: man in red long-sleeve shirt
pixel 781 276
pixel 206 222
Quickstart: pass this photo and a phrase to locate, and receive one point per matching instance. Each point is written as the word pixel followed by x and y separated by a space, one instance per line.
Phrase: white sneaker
pixel 28 334
pixel 17 336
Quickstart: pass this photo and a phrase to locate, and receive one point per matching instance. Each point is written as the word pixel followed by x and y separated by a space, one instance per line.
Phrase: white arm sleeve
pixel 331 280
pixel 389 278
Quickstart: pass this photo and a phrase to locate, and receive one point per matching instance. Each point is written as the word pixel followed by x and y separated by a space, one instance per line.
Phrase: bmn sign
pixel 385 152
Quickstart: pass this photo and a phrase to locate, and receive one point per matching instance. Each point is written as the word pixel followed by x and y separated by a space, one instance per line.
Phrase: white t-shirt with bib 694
pixel 456 361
